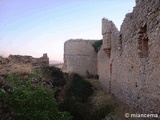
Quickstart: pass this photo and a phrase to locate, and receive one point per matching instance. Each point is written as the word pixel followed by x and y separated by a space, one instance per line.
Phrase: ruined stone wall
pixel 132 58
pixel 109 32
pixel 80 57
pixel 22 64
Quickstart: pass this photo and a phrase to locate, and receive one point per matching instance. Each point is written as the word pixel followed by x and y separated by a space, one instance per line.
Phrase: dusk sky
pixel 34 27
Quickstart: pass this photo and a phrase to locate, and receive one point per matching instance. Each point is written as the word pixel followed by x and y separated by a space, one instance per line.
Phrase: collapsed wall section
pixel 80 57
pixel 105 55
pixel 22 64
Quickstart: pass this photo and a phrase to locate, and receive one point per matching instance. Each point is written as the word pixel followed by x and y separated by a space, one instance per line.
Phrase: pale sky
pixel 34 27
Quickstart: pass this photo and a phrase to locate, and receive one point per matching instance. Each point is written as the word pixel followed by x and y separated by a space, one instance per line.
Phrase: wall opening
pixel 120 42
pixel 107 51
pixel 143 41
pixel 144 48
pixel 136 85
pixel 107 48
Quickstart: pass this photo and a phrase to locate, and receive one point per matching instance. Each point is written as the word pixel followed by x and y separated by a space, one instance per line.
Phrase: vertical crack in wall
pixel 120 44
pixel 110 81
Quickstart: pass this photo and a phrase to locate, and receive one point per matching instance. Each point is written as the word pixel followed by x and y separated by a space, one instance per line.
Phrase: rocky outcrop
pixel 22 64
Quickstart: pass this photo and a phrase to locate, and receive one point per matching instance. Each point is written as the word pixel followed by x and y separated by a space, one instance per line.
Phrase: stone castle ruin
pixel 128 63
pixel 80 57
pixel 22 64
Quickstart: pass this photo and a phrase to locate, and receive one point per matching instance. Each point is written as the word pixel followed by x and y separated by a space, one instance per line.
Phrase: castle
pixel 128 63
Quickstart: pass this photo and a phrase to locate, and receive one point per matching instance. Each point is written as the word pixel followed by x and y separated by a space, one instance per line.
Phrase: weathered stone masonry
pixel 132 69
pixel 128 63
pixel 80 57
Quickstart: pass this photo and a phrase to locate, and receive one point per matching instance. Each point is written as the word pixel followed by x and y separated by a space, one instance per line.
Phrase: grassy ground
pixel 97 106
pixel 100 99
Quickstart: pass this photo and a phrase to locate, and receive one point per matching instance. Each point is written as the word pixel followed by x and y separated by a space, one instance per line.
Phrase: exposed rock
pixel 22 64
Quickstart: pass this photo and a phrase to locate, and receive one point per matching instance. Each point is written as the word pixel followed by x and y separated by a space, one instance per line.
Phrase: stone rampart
pixel 80 57
pixel 129 61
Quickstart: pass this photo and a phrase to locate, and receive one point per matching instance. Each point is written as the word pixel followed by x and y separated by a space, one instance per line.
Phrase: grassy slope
pixel 102 99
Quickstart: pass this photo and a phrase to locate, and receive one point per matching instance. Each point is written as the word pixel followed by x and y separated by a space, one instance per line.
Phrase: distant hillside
pixel 55 62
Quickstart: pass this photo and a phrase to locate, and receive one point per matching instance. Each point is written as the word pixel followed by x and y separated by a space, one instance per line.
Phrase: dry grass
pixel 22 69
pixel 102 99
pixel 15 68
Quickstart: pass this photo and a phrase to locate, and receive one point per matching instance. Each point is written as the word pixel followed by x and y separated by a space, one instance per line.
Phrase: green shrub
pixel 32 104
pixel 102 112
pixel 77 101
pixel 97 45
pixel 36 73
pixel 80 88
pixel 55 74
pixel 13 79
pixel 79 110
